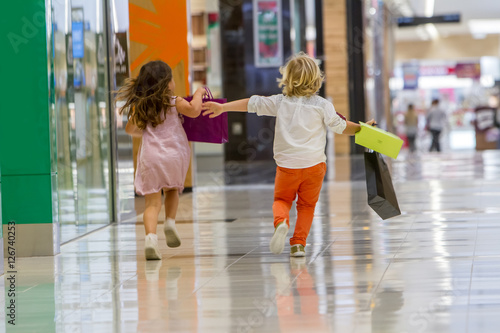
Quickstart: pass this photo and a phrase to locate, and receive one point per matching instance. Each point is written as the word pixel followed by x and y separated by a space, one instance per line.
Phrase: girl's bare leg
pixel 171 204
pixel 153 207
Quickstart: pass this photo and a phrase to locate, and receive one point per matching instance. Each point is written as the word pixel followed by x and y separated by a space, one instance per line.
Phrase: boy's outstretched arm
pixel 353 128
pixel 213 109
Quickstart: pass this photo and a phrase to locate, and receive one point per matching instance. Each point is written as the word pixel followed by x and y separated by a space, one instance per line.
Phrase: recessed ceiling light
pixel 484 26
pixel 429 8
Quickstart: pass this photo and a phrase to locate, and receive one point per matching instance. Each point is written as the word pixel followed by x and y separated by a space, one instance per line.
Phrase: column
pixel 27 134
pixel 248 73
pixel 336 63
pixel 356 65
pixel 382 54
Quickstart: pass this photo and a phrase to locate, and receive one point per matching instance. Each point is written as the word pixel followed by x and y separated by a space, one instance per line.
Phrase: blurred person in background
pixel 497 118
pixel 435 123
pixel 411 124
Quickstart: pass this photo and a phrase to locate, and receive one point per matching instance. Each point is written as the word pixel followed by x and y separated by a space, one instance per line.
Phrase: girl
pixel 163 158
pixel 302 118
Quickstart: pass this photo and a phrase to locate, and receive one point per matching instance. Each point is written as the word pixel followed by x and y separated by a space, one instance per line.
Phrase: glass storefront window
pixel 304 27
pixel 82 116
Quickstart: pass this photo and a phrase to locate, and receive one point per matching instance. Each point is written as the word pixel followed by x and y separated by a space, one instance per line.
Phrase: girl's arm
pixel 353 128
pixel 191 109
pixel 132 130
pixel 215 109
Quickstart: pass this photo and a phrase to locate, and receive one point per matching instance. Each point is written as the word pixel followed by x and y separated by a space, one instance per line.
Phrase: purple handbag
pixel 205 129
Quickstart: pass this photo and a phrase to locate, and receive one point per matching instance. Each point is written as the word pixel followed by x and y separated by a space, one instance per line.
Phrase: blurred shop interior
pixel 376 63
pixel 457 63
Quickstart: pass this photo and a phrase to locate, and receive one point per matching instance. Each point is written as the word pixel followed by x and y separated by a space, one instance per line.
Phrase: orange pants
pixel 304 183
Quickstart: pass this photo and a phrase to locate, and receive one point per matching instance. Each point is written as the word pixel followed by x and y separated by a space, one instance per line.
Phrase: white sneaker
pixel 297 250
pixel 278 241
pixel 151 247
pixel 173 239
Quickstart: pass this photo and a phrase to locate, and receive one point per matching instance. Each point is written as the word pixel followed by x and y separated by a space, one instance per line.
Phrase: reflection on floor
pixel 435 268
pixel 94 217
pixel 83 199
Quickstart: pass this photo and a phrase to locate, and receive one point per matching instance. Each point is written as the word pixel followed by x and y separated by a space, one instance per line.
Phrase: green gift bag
pixel 378 140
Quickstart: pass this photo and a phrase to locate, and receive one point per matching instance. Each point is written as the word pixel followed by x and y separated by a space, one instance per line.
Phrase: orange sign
pixel 158 31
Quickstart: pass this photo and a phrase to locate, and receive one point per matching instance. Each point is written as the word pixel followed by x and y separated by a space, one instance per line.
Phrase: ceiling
pixel 469 10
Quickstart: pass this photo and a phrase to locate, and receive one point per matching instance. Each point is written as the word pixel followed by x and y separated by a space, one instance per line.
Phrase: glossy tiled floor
pixel 435 268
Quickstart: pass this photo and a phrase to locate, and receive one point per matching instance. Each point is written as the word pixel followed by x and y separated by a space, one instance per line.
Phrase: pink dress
pixel 163 158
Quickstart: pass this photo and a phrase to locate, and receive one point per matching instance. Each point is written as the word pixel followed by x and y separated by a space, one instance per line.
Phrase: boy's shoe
pixel 297 250
pixel 278 241
pixel 151 247
pixel 173 239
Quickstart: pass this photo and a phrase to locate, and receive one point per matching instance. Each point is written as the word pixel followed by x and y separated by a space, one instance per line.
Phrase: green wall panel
pixel 1 229
pixel 27 169
pixel 24 110
pixel 27 199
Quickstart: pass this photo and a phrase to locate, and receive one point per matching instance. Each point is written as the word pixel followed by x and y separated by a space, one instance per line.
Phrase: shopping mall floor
pixel 435 268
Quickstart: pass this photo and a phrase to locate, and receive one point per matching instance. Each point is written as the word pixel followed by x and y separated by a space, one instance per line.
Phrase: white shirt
pixel 436 118
pixel 301 124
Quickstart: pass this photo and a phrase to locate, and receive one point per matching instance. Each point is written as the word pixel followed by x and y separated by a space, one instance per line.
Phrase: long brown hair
pixel 147 97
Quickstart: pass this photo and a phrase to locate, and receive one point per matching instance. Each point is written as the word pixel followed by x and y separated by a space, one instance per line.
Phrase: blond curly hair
pixel 301 76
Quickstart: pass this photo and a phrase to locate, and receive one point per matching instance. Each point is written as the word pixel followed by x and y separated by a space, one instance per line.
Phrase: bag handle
pixel 368 150
pixel 209 93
